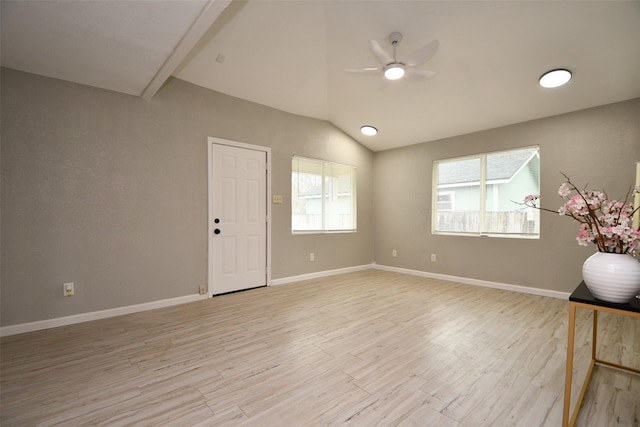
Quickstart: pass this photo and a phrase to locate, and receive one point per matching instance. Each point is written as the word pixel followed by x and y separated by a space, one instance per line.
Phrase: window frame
pixel 323 194
pixel 482 184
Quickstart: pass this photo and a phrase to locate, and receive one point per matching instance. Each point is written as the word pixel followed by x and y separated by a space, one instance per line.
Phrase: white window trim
pixel 354 200
pixel 483 185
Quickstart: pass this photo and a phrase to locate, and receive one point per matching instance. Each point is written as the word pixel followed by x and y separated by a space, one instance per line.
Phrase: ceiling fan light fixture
pixel 368 130
pixel 555 78
pixel 394 71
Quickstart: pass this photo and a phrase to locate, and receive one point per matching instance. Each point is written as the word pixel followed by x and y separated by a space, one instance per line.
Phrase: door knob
pixel 217 231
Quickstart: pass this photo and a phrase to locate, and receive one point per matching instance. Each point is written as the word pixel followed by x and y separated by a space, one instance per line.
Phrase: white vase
pixel 612 277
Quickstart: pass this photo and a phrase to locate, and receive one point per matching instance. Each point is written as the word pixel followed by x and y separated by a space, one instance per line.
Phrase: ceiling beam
pixel 210 12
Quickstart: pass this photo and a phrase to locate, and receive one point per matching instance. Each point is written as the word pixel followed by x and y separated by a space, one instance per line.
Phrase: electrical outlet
pixel 67 289
pixel 312 256
pixel 203 289
pixel 394 253
pixel 433 257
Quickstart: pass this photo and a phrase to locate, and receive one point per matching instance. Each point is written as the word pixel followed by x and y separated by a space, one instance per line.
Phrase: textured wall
pixel 110 191
pixel 597 146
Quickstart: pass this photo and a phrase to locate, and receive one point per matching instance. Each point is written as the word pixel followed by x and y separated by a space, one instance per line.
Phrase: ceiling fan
pixel 394 69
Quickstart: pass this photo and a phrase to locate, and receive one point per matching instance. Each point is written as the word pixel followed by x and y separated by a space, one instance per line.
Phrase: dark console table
pixel 581 297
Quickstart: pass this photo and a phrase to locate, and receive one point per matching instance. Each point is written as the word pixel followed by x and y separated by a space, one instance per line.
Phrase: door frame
pixel 267 150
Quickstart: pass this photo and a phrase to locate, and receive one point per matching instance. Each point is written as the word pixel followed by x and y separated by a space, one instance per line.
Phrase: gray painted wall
pixel 109 191
pixel 598 146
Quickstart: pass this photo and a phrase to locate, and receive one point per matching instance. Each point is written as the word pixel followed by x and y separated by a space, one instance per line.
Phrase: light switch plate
pixel 277 198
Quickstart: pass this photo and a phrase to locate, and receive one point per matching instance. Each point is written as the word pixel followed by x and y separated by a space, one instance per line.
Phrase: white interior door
pixel 238 217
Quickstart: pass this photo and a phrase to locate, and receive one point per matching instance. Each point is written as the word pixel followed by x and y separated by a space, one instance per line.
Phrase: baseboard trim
pixel 319 274
pixel 103 314
pixel 477 282
pixel 95 315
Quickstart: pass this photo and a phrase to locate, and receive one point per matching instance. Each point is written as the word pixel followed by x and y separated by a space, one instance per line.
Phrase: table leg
pixel 569 367
pixel 595 335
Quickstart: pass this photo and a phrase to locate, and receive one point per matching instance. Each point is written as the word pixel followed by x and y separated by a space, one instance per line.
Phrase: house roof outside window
pixel 501 168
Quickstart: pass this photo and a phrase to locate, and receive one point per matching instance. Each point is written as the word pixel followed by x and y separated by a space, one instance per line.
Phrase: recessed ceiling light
pixel 394 71
pixel 368 130
pixel 555 78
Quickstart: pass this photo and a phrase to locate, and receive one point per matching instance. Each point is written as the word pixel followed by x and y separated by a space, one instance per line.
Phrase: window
pixel 323 196
pixel 446 201
pixel 480 195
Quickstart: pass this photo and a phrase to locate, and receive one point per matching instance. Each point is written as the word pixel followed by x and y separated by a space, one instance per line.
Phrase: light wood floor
pixel 363 349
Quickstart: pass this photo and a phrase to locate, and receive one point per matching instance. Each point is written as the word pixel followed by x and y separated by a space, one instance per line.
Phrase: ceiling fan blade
pixel 422 55
pixel 414 74
pixel 367 70
pixel 382 55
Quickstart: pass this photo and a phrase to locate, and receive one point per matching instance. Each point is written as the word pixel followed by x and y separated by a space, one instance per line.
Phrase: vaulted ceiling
pixel 292 55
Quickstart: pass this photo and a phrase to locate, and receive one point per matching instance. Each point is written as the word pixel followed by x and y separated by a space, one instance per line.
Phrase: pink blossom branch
pixel 604 222
pixel 592 217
